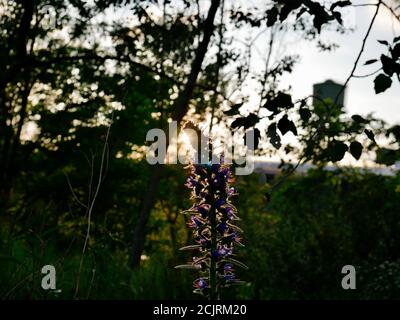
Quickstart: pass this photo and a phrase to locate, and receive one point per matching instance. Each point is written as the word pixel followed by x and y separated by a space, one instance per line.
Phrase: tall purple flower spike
pixel 212 218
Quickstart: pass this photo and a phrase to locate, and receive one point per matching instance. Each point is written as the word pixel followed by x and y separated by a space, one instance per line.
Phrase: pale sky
pixel 316 66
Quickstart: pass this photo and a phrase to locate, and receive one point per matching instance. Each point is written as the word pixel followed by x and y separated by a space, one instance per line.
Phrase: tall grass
pixel 104 275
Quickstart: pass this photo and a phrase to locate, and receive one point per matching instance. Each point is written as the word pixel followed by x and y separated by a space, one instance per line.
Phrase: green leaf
pixel 321 17
pixel 189 266
pixel 395 130
pixel 236 283
pixel 340 4
pixel 193 247
pixel 272 16
pixel 234 110
pixel 198 291
pixel 281 101
pixel 396 39
pixel 285 125
pixel 357 118
pixel 257 137
pixel 250 121
pixel 387 156
pixel 284 100
pixel 305 114
pixel 396 51
pixel 370 61
pixel 289 7
pixel 370 135
pixel 388 65
pixel 237 123
pixel 301 12
pixel 338 17
pixel 337 150
pixel 356 149
pixel 238 263
pixel 384 42
pixel 318 21
pixel 273 135
pixel 381 83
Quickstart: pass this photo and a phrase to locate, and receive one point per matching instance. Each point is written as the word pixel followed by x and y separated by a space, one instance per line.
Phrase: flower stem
pixel 213 264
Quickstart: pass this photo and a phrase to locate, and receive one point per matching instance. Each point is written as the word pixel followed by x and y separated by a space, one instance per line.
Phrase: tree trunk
pixel 9 140
pixel 181 108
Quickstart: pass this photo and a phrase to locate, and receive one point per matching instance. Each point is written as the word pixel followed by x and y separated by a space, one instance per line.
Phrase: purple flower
pixel 191 182
pixel 198 169
pixel 222 227
pixel 219 203
pixel 216 181
pixel 233 237
pixel 229 277
pixel 195 222
pixel 225 172
pixel 200 283
pixel 228 267
pixel 222 252
pixel 204 241
pixel 203 194
pixel 203 210
pixel 229 212
pixel 215 167
pixel 196 260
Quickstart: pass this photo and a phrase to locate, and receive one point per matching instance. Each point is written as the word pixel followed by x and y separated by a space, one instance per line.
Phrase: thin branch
pixel 89 218
pixel 367 75
pixel 393 12
pixel 73 192
pixel 91 165
pixel 360 53
pixel 267 70
pixel 364 5
pixel 92 278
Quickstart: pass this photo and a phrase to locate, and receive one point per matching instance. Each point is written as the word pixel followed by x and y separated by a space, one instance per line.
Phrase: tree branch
pixel 360 53
pixel 393 12
pixel 367 75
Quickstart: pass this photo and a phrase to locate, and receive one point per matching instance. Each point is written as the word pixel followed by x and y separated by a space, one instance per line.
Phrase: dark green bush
pixel 296 246
pixel 313 226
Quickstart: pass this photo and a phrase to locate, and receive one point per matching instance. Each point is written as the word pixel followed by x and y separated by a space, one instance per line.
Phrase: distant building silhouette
pixel 328 90
pixel 267 170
